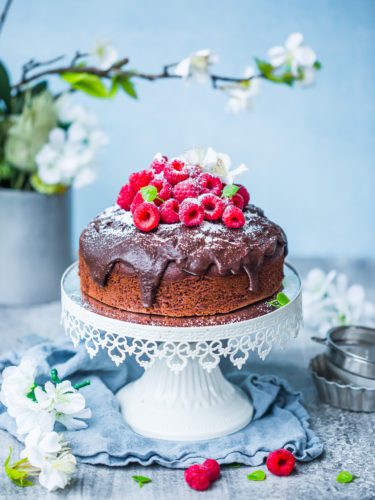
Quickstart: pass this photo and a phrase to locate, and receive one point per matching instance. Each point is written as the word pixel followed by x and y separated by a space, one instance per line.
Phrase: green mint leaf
pixel 230 190
pixel 344 477
pixel 257 475
pixel 142 480
pixel 282 299
pixel 149 193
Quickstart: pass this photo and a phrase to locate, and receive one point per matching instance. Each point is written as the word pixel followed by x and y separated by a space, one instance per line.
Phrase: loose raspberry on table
pixel 191 213
pixel 146 216
pixel 169 212
pixel 138 199
pixel 141 179
pixel 164 190
pixel 175 172
pixel 280 462
pixel 244 193
pixel 125 197
pixel 185 189
pixel 233 217
pixel 210 184
pixel 158 164
pixel 197 477
pixel 213 206
pixel 213 468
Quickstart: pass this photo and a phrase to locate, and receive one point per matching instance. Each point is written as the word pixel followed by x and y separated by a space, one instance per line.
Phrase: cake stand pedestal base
pixel 191 405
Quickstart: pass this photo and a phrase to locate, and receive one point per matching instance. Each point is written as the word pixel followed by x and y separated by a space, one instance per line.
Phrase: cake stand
pixel 182 394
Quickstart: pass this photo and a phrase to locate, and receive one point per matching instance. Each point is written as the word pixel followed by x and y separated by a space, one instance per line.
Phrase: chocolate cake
pixel 176 270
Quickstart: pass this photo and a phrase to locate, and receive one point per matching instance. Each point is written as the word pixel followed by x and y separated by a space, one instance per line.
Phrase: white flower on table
pixel 196 66
pixel 241 93
pixel 211 161
pixel 105 53
pixel 48 452
pixel 298 57
pixel 65 403
pixel 18 380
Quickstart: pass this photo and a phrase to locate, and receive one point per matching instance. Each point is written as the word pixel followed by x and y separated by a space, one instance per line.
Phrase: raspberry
pixel 233 217
pixel 169 212
pixel 158 163
pixel 138 199
pixel 236 200
pixel 185 189
pixel 140 179
pixel 194 171
pixel 197 477
pixel 213 469
pixel 280 462
pixel 125 197
pixel 146 216
pixel 244 193
pixel 175 172
pixel 212 205
pixel 191 213
pixel 164 190
pixel 210 184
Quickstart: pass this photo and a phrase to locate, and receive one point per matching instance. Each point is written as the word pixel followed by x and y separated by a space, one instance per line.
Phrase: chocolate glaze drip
pixel 174 251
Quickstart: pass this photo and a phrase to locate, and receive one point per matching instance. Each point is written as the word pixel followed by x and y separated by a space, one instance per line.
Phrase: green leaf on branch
pixel 141 480
pixel 5 88
pixel 149 193
pixel 44 188
pixel 344 477
pixel 18 471
pixel 127 86
pixel 268 72
pixel 257 475
pixel 230 190
pixel 85 82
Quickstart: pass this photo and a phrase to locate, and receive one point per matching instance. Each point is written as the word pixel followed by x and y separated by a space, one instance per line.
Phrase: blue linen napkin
pixel 279 418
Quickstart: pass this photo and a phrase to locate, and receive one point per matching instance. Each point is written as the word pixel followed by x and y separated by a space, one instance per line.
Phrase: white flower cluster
pixel 69 156
pixel 216 163
pixel 329 301
pixel 293 56
pixel 35 417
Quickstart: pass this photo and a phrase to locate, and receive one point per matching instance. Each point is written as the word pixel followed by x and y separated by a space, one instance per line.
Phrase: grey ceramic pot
pixel 35 245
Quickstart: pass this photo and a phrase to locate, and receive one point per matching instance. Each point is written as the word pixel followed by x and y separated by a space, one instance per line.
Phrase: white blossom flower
pixel 18 380
pixel 329 301
pixel 65 403
pixel 48 452
pixel 298 57
pixel 197 65
pixel 216 163
pixel 241 93
pixel 105 53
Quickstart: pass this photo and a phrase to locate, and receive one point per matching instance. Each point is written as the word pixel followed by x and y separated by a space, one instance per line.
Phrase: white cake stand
pixel 182 394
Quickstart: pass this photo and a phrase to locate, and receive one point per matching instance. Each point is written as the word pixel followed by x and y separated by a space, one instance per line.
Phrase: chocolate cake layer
pixel 181 271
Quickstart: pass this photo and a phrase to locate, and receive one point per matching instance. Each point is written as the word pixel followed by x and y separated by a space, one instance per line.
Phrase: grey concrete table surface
pixel 349 438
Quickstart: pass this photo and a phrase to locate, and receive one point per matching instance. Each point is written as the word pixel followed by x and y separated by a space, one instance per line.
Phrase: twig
pixel 4 14
pixel 32 64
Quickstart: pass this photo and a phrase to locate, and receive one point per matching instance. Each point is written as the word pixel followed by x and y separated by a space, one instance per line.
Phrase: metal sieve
pixel 351 348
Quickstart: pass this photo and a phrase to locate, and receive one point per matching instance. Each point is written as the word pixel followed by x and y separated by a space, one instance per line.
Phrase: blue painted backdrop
pixel 310 152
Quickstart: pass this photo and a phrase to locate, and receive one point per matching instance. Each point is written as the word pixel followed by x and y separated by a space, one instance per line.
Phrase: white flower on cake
pixel 49 453
pixel 241 93
pixel 65 403
pixel 328 301
pixel 196 66
pixel 211 161
pixel 298 57
pixel 105 53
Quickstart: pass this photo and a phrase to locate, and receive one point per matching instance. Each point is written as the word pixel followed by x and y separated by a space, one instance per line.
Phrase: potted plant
pixel 48 145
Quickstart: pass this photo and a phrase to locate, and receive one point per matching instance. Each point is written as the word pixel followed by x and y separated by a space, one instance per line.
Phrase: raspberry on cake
pixel 180 243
